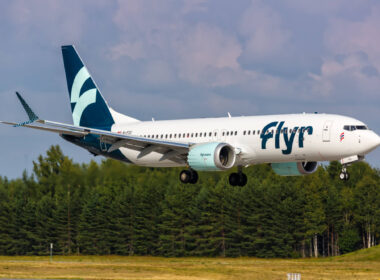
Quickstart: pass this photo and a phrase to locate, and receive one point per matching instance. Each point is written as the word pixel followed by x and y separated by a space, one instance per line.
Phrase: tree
pixel 367 200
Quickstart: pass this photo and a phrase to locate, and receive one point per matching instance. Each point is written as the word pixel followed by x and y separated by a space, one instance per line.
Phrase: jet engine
pixel 211 157
pixel 295 168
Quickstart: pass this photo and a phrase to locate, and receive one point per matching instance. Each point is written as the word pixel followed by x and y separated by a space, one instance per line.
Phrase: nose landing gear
pixel 344 176
pixel 188 176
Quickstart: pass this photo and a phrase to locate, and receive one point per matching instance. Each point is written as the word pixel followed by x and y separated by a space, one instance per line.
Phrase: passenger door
pixel 326 131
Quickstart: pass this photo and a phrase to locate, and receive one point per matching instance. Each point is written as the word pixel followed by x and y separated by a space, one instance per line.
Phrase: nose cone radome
pixel 373 141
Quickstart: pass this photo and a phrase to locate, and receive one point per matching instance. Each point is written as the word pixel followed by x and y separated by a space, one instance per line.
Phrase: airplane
pixel 292 144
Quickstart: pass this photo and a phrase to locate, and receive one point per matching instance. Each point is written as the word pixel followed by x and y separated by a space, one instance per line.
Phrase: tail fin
pixel 87 104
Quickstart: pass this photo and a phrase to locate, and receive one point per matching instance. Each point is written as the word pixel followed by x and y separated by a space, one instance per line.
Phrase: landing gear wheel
pixel 188 176
pixel 238 179
pixel 242 180
pixel 185 176
pixel 234 179
pixel 194 177
pixel 344 174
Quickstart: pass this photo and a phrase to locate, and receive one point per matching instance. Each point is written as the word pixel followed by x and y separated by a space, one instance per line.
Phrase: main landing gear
pixel 344 174
pixel 189 176
pixel 238 179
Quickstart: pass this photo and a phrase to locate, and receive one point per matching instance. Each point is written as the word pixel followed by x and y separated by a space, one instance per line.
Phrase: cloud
pixel 206 49
pixel 263 31
pixel 272 40
pixel 345 36
pixel 351 66
pixel 350 73
pixel 134 50
pixel 194 6
pixel 327 7
pixel 56 21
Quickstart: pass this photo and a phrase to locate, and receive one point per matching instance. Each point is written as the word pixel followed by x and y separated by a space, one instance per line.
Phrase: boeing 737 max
pixel 292 144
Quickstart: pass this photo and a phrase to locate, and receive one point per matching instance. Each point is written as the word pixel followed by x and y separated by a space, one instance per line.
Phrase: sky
pixel 173 59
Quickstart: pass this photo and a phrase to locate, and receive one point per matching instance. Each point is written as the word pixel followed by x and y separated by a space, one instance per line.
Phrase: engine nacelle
pixel 211 157
pixel 294 168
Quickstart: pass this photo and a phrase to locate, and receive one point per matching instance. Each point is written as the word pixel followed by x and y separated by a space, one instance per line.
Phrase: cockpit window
pixel 349 127
pixel 361 127
pixel 355 127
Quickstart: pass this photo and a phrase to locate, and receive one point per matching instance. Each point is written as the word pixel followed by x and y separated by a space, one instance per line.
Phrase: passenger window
pixel 253 132
pixel 210 134
pixel 235 133
pixel 258 132
pixel 192 135
pixel 188 135
pixel 244 132
pixel 249 132
pixel 228 133
pixel 223 133
pixel 196 134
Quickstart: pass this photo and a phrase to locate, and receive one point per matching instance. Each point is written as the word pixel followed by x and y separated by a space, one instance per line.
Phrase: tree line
pixel 112 208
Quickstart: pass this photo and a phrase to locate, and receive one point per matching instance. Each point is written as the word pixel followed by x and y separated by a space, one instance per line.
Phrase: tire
pixel 243 180
pixel 193 177
pixel 342 176
pixel 234 179
pixel 185 176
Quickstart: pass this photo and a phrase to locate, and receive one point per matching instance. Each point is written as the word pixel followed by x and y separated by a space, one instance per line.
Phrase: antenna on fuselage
pixel 229 115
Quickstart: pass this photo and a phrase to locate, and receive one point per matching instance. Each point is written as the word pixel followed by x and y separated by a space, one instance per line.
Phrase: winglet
pixel 32 116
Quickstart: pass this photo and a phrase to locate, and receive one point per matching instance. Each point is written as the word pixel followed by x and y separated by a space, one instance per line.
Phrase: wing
pixel 170 150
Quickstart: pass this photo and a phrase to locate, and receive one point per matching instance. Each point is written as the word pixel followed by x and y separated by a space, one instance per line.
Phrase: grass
pixel 363 264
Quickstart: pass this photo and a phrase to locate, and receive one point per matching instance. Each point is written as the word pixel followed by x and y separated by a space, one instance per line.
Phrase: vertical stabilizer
pixel 88 106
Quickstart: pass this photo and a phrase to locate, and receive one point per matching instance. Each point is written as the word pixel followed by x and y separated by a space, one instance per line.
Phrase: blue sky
pixel 182 59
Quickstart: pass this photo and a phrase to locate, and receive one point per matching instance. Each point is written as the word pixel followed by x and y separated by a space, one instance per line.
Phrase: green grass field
pixel 363 264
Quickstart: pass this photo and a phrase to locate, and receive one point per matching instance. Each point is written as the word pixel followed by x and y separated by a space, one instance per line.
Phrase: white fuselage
pixel 321 137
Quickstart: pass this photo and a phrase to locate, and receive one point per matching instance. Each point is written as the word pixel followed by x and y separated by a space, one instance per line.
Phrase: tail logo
pixel 82 101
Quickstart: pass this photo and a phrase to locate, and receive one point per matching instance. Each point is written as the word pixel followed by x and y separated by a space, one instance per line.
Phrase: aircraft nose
pixel 373 141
